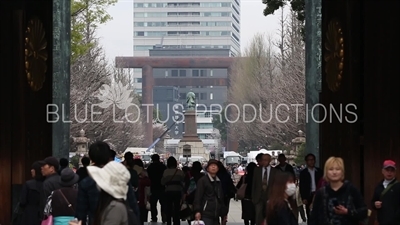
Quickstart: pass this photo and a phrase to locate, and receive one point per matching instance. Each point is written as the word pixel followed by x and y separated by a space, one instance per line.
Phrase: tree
pixel 219 122
pixel 97 103
pixel 158 129
pixel 101 98
pixel 86 15
pixel 253 78
pixel 301 153
pixel 274 84
pixel 74 161
pixel 297 6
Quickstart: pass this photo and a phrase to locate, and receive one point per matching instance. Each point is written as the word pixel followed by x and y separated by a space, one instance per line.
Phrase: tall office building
pixel 185 24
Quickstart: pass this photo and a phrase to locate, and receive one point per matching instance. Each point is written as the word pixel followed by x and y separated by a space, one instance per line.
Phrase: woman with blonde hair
pixel 339 202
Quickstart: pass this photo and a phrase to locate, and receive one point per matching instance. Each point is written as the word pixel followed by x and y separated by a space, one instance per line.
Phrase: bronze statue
pixel 190 100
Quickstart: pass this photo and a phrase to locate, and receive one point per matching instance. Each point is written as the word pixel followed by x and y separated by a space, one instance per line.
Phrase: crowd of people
pixel 105 192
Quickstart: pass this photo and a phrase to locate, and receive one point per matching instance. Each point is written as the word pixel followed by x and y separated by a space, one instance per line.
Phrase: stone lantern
pixel 296 142
pixel 81 143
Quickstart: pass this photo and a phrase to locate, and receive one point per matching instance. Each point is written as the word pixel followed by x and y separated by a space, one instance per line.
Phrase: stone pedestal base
pixel 190 127
pixel 197 149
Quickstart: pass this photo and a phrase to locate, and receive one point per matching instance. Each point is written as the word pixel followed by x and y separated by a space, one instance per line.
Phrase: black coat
pixel 30 202
pixel 288 168
pixel 209 198
pixel 305 182
pixel 283 216
pixel 248 210
pixel 347 196
pixel 389 214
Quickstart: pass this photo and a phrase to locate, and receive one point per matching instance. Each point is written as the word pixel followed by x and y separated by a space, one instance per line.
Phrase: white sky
pixel 116 36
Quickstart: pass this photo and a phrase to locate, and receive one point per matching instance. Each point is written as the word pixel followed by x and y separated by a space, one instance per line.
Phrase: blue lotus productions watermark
pixel 231 113
pixel 116 99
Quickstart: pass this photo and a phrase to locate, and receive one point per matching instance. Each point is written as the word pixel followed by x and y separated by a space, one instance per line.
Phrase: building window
pixel 203 96
pixel 166 73
pixel 174 73
pixel 182 73
pixel 211 74
pixel 202 136
pixel 211 96
pixel 195 73
pixel 138 80
pixel 204 126
pixel 203 73
pixel 182 95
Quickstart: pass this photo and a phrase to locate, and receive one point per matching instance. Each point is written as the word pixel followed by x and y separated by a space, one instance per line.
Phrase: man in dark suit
pixel 284 166
pixel 263 179
pixel 309 178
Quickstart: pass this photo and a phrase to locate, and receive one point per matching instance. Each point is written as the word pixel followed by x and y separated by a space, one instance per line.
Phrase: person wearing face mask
pixel 279 208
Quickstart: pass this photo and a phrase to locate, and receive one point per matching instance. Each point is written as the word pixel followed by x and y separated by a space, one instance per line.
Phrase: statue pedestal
pixel 191 138
pixel 197 149
pixel 190 127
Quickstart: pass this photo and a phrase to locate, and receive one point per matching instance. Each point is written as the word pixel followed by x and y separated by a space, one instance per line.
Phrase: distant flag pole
pixel 162 135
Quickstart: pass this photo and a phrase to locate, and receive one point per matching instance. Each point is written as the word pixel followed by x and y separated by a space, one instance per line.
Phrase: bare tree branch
pixel 274 83
pixel 121 128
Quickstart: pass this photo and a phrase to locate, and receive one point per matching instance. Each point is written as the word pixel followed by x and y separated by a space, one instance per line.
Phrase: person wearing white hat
pixel 112 208
pixel 88 191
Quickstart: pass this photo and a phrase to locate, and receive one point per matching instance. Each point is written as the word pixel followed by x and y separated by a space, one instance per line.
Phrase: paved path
pixel 234 216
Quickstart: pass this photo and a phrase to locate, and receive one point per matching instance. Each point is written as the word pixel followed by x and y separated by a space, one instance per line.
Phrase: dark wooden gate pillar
pixel 147 103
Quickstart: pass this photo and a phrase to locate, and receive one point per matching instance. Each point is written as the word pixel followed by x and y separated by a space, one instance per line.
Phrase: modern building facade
pixel 210 100
pixel 185 24
pixel 206 96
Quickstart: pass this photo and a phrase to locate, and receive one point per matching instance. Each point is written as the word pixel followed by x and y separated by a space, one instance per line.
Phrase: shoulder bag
pixel 241 192
pixel 68 204
pixel 388 188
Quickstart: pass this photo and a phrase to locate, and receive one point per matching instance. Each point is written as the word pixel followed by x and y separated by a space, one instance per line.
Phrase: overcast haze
pixel 116 36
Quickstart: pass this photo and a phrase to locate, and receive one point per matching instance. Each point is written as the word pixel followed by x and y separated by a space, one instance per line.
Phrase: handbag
pixel 241 192
pixel 48 210
pixel 48 220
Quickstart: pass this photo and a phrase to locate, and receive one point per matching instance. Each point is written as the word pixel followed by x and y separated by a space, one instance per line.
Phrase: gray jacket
pixel 115 214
